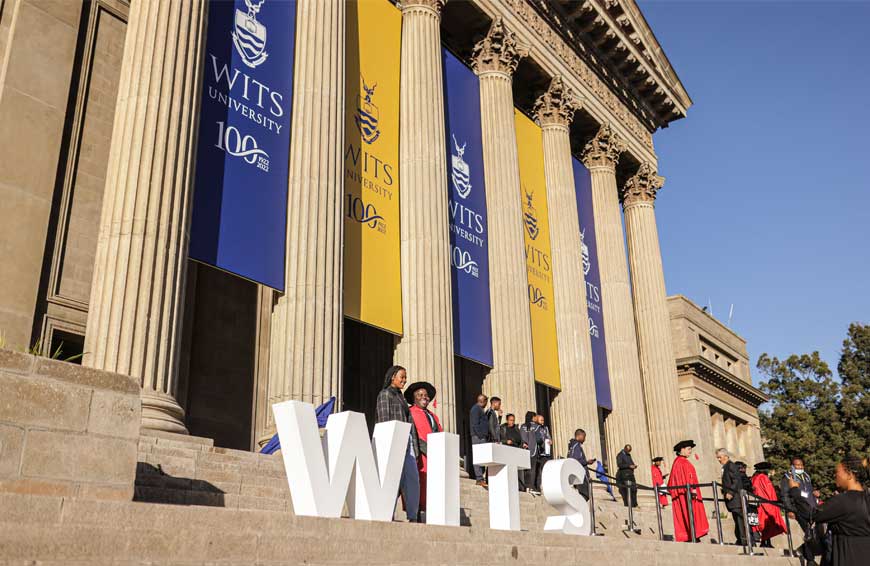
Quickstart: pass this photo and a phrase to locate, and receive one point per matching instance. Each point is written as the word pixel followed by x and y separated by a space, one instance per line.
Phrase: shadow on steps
pixel 153 485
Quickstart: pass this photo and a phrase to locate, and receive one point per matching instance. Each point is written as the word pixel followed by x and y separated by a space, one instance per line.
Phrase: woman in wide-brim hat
pixel 419 395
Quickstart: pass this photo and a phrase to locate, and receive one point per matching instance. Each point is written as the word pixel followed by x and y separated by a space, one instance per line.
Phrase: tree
pixel 854 370
pixel 804 418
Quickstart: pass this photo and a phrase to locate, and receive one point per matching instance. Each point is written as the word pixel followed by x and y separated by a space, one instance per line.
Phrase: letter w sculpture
pixel 325 473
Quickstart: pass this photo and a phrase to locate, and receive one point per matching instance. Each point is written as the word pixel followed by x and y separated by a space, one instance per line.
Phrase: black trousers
pixel 531 474
pixel 625 492
pixel 739 528
pixel 538 465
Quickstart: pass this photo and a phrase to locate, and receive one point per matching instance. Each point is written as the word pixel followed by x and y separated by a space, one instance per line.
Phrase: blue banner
pixel 583 191
pixel 240 200
pixel 472 321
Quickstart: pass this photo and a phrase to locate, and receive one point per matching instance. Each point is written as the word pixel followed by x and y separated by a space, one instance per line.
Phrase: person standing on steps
pixel 391 405
pixel 546 453
pixel 731 485
pixel 534 439
pixel 659 478
pixel 846 514
pixel 479 425
pixel 575 451
pixel 510 436
pixel 493 419
pixel 770 520
pixel 625 479
pixel 419 395
pixel 806 493
pixel 682 474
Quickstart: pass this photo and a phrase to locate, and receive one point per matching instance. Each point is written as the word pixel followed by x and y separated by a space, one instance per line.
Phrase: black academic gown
pixel 848 518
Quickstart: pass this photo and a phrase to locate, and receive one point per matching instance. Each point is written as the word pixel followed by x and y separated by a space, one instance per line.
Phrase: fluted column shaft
pixel 627 423
pixel 512 375
pixel 667 422
pixel 426 347
pixel 137 295
pixel 306 341
pixel 575 406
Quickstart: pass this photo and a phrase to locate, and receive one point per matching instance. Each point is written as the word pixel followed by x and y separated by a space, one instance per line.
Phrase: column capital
pixel 604 149
pixel 434 6
pixel 643 186
pixel 556 106
pixel 499 51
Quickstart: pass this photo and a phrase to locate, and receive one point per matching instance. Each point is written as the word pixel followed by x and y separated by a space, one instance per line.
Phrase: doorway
pixel 368 353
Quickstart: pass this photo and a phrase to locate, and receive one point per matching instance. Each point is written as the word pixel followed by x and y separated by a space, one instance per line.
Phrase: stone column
pixel 731 436
pixel 137 295
pixel 667 424
pixel 512 377
pixel 698 418
pixel 575 406
pixel 627 424
pixel 717 421
pixel 426 346
pixel 305 358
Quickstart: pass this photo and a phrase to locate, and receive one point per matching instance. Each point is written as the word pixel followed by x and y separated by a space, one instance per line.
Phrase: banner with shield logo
pixel 239 216
pixel 583 191
pixel 536 230
pixel 372 252
pixel 472 320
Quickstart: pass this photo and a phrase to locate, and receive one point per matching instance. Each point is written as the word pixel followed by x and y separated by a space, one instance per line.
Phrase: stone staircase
pixel 198 504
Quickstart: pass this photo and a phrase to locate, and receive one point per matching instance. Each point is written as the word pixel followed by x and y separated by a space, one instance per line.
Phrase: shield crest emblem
pixel 530 218
pixel 366 119
pixel 460 171
pixel 249 37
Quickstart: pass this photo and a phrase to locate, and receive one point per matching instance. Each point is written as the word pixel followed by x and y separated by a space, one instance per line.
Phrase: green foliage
pixel 854 370
pixel 811 414
pixel 37 350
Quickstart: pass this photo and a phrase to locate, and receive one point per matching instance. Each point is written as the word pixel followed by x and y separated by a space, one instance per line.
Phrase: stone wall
pixel 66 430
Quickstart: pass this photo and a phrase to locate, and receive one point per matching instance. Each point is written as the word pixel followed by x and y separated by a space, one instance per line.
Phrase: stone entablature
pixel 556 57
pixel 696 333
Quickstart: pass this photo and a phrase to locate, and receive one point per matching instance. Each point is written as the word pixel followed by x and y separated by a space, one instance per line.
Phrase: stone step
pixel 44 528
pixel 186 470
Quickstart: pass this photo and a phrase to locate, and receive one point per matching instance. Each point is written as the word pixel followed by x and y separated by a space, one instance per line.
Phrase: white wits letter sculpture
pixel 442 480
pixel 370 490
pixel 502 463
pixel 557 482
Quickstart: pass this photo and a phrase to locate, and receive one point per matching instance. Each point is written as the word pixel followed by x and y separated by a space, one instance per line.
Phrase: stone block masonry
pixel 66 430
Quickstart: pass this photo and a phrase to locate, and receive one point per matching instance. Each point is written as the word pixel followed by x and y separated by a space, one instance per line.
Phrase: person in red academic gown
pixel 770 519
pixel 425 421
pixel 658 478
pixel 682 473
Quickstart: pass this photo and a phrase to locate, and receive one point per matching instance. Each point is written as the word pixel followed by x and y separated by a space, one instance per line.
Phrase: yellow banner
pixel 536 225
pixel 372 253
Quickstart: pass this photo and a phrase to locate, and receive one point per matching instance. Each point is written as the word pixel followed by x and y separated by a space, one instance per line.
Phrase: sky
pixel 766 203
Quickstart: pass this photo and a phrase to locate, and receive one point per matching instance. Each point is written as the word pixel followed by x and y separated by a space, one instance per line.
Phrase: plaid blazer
pixel 391 406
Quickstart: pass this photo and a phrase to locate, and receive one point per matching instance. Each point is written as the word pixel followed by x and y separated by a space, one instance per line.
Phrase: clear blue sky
pixel 767 198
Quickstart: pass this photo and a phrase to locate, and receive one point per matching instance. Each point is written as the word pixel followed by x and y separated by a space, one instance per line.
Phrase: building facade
pixel 100 107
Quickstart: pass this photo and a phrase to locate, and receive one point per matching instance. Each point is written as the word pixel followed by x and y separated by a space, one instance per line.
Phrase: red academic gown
pixel 770 520
pixel 682 473
pixel 421 422
pixel 659 480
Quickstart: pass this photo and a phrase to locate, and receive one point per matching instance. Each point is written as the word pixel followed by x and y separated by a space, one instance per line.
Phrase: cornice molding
pixel 721 379
pixel 545 31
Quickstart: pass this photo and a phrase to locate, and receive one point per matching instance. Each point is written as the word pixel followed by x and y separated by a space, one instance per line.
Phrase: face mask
pixel 796 471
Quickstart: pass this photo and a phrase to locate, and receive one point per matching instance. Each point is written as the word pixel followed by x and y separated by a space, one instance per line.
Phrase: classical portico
pixel 108 174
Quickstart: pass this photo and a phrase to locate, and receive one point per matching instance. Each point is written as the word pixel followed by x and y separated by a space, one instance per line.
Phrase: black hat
pixel 682 444
pixel 763 466
pixel 740 464
pixel 657 459
pixel 409 391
